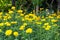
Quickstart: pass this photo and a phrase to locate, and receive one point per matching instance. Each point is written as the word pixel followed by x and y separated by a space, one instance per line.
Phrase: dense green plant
pixel 5 4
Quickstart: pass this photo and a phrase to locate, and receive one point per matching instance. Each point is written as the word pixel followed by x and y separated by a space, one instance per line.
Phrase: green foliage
pixel 37 2
pixel 5 4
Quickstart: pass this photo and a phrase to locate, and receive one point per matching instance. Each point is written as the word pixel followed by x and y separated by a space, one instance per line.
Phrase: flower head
pixel 29 30
pixel 15 34
pixel 22 27
pixel 20 11
pixel 8 24
pixel 1 24
pixel 8 32
pixel 13 7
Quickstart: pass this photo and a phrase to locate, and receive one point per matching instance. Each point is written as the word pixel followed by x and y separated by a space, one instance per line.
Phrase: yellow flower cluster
pixel 46 26
pixel 23 26
pixel 8 24
pixel 31 17
pixel 17 20
pixel 54 20
pixel 29 30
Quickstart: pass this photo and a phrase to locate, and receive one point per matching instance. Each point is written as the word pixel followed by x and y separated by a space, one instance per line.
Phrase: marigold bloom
pixel 25 24
pixel 50 17
pixel 46 23
pixel 53 20
pixel 20 11
pixel 13 7
pixel 9 17
pixel 15 34
pixel 5 17
pixel 8 32
pixel 21 14
pixel 10 12
pixel 54 14
pixel 38 22
pixel 38 18
pixel 1 13
pixel 8 24
pixel 29 30
pixel 58 16
pixel 47 27
pixel 1 24
pixel 22 27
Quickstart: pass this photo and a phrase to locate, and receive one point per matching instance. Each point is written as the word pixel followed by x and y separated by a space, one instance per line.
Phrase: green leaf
pixel 16 39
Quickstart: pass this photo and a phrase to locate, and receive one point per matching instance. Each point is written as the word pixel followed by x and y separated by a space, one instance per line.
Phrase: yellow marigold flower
pixel 25 24
pixel 10 12
pixel 0 30
pixel 29 30
pixel 48 27
pixel 1 24
pixel 26 16
pixel 54 14
pixel 53 20
pixel 38 23
pixel 1 13
pixel 9 17
pixel 8 24
pixel 50 17
pixel 30 19
pixel 13 7
pixel 31 14
pixel 14 22
pixel 5 17
pixel 15 34
pixel 38 18
pixel 21 14
pixel 8 32
pixel 22 27
pixel 0 17
pixel 43 19
pixel 58 16
pixel 20 11
pixel 46 23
